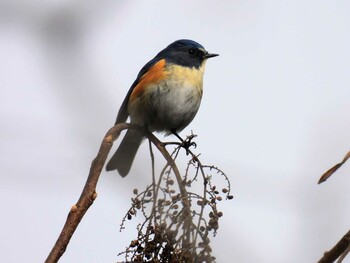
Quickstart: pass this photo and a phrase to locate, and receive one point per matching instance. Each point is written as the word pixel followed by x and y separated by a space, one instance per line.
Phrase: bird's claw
pixel 186 144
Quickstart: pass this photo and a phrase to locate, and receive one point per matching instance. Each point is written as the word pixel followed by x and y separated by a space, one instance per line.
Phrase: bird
pixel 165 97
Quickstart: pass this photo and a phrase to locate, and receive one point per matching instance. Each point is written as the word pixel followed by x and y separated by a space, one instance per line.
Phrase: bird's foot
pixel 187 143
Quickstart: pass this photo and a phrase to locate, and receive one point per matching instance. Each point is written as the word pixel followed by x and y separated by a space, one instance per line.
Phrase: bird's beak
pixel 210 55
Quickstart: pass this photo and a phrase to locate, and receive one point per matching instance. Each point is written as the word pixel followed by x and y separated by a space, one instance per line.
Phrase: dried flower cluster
pixel 179 214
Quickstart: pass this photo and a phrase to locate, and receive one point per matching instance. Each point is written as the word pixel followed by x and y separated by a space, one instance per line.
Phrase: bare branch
pixel 88 194
pixel 337 250
pixel 328 174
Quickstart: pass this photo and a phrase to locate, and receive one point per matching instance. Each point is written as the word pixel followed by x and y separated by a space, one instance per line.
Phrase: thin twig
pixel 331 171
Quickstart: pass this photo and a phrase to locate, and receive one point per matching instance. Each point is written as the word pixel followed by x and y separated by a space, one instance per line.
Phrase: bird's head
pixel 187 53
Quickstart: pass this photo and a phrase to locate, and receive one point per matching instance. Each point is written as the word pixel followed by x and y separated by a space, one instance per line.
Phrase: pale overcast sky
pixel 274 116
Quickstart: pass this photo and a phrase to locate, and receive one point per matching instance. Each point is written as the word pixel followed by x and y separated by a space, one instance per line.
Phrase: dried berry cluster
pixel 179 214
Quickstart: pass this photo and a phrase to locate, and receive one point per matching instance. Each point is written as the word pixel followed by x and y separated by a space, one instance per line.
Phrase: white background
pixel 274 116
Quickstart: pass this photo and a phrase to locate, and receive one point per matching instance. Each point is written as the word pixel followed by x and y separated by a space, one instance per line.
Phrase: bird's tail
pixel 125 154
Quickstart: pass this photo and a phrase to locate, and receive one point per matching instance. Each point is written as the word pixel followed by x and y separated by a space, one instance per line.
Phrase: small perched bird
pixel 165 97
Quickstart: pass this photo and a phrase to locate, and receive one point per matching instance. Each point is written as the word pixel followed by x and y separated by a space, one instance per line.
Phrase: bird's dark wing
pixel 123 113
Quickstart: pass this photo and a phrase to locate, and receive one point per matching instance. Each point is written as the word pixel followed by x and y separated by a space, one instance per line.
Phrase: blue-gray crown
pixel 185 52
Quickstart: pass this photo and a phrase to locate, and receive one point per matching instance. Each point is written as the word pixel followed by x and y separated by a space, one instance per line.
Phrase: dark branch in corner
pixel 337 251
pixel 342 248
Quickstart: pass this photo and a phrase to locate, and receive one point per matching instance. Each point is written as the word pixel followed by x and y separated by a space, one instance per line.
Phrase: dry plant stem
pixel 337 250
pixel 154 193
pixel 195 158
pixel 153 180
pixel 88 194
pixel 204 195
pixel 184 195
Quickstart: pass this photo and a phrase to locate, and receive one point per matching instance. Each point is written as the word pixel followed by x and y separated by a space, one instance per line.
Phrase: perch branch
pixel 88 194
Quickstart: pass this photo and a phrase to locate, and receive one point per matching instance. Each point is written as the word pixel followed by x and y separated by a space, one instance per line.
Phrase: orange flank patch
pixel 155 74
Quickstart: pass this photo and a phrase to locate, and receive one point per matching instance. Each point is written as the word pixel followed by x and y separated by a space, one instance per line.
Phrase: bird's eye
pixel 191 51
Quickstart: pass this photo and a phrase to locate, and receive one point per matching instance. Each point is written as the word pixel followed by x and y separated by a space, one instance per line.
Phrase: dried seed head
pixel 170 182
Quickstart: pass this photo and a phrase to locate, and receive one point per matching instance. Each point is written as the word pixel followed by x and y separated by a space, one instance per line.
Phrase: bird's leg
pixel 186 144
pixel 178 136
